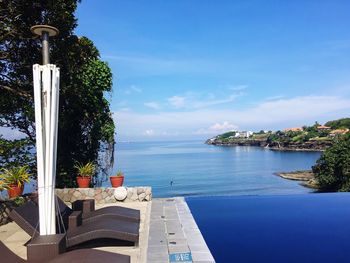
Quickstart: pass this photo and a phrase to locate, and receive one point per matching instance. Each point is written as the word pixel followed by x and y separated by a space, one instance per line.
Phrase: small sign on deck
pixel 180 257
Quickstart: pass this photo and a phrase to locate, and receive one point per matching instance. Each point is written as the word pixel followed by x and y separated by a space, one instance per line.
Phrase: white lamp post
pixel 46 94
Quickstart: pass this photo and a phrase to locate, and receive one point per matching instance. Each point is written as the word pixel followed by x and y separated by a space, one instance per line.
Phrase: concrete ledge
pixel 106 195
pixel 174 235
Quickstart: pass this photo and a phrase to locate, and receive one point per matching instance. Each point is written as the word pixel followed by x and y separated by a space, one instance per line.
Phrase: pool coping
pixel 174 235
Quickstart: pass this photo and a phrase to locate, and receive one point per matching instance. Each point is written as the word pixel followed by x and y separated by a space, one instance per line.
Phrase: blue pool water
pixel 195 168
pixel 275 229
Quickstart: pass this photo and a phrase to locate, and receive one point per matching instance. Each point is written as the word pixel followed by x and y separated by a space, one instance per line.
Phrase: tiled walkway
pixel 174 235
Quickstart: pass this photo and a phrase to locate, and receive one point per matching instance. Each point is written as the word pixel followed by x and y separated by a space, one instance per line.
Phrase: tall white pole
pixel 46 97
pixel 47 114
pixel 53 147
pixel 56 95
pixel 39 129
pixel 46 93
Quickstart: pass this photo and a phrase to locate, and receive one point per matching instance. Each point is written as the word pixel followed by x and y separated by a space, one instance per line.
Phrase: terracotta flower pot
pixel 83 182
pixel 116 181
pixel 15 191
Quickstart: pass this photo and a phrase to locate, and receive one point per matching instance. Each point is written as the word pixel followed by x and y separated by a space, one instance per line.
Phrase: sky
pixel 185 69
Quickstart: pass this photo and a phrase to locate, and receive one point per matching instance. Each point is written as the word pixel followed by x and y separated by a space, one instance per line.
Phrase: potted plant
pixel 13 179
pixel 85 172
pixel 117 180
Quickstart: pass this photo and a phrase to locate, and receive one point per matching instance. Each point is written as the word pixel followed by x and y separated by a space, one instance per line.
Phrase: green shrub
pixel 19 200
pixel 332 169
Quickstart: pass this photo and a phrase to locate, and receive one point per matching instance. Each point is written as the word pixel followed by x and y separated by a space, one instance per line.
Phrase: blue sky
pixel 194 68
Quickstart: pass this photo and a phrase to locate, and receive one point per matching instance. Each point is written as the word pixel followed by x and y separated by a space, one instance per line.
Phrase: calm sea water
pixel 193 168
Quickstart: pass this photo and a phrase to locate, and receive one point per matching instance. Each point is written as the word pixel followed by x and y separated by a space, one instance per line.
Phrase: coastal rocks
pixel 106 195
pixel 120 193
pixel 305 146
pixel 237 142
pixel 306 177
pixel 297 175
pixel 311 145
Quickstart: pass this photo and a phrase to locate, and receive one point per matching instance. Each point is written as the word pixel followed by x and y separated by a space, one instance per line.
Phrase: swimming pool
pixel 288 228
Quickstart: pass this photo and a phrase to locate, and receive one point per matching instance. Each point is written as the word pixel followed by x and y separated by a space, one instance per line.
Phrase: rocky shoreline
pixel 276 146
pixel 306 177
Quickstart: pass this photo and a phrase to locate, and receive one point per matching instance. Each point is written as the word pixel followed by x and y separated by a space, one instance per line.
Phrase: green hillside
pixel 339 124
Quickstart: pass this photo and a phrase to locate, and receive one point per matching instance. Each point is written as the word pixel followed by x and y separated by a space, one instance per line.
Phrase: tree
pixel 332 169
pixel 339 124
pixel 15 153
pixel 86 127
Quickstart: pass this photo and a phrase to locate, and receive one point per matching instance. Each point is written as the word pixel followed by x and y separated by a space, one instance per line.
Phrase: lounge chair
pixel 27 217
pixel 90 214
pixel 75 256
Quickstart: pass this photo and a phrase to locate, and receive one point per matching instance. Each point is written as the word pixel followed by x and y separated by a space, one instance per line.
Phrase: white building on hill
pixel 243 134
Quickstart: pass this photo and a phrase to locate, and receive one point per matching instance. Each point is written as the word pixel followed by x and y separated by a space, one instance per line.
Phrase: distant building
pixel 323 128
pixel 296 129
pixel 243 134
pixel 339 132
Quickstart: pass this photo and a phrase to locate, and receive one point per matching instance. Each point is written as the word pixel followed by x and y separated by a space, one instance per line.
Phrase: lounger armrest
pixel 75 220
pixel 45 248
pixel 86 206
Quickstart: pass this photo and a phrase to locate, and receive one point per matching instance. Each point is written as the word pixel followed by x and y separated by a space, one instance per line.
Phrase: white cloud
pixel 237 87
pixel 213 102
pixel 218 128
pixel 133 89
pixel 177 101
pixel 221 127
pixel 149 132
pixel 277 97
pixel 152 105
pixel 276 114
pixel 195 101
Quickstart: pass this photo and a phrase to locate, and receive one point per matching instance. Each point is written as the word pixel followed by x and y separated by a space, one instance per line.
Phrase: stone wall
pixel 106 195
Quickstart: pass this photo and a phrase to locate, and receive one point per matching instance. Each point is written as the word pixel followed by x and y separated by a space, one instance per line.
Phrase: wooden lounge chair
pixel 90 214
pixel 27 217
pixel 75 256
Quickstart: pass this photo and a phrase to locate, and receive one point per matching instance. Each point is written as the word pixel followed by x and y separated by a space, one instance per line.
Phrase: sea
pixel 193 168
pixel 244 211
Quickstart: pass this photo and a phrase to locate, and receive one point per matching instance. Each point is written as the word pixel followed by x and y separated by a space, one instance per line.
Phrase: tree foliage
pixel 227 135
pixel 15 153
pixel 332 170
pixel 86 127
pixel 338 124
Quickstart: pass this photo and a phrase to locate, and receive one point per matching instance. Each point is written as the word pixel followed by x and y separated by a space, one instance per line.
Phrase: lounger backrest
pixel 27 217
pixel 64 209
pixel 63 215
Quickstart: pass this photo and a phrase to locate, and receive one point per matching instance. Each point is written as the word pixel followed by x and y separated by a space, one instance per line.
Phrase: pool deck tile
pixel 173 232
